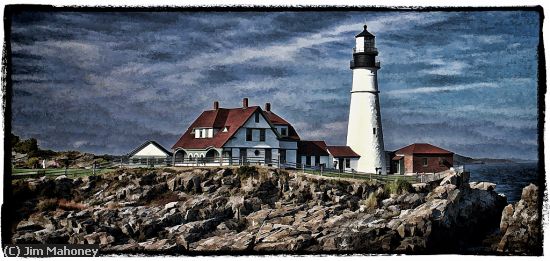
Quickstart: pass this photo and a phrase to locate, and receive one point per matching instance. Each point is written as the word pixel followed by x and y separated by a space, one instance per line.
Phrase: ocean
pixel 510 178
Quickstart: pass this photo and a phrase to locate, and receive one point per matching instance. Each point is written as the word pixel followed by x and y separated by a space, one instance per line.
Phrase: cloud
pixel 451 88
pixel 443 67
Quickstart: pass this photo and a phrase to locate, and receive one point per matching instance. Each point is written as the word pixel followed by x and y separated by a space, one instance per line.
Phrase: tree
pixel 28 146
pixel 32 162
pixel 14 140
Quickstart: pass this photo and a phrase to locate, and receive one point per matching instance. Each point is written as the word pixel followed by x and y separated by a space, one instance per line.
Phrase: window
pixel 442 162
pixel 262 135
pixel 190 157
pixel 224 129
pixel 374 131
pixel 248 134
pixel 200 133
pixel 283 131
pixel 348 163
pixel 425 162
pixel 256 153
pixel 308 161
pixel 282 155
pixel 257 117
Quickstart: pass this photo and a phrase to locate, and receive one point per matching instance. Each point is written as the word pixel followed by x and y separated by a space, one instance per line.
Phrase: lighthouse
pixel 364 125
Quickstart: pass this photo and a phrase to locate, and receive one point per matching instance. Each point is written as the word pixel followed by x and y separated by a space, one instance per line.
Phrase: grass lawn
pixel 383 178
pixel 57 172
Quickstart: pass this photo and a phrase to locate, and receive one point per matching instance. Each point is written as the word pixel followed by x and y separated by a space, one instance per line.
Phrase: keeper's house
pixel 150 153
pixel 421 158
pixel 245 135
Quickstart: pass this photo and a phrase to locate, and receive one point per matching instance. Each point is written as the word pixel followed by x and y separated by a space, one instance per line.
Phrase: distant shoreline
pixel 461 160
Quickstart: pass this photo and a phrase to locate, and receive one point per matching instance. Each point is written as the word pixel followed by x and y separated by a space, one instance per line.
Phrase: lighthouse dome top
pixel 365 33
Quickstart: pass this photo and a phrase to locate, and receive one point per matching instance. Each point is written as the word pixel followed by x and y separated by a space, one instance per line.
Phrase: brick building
pixel 421 158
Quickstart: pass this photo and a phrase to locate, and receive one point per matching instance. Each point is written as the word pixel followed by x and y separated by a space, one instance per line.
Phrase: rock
pixel 227 181
pixel 194 231
pixel 520 225
pixel 25 238
pixel 129 247
pixel 483 185
pixel 441 192
pixel 211 209
pixel 401 230
pixel 225 172
pixel 28 226
pixel 101 238
pixel 530 195
pixel 420 187
pixel 159 245
pixel 450 179
pixel 62 177
pixel 171 205
pixel 228 242
pixel 147 179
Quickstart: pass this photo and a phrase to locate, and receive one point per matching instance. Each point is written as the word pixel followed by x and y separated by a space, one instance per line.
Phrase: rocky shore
pixel 236 210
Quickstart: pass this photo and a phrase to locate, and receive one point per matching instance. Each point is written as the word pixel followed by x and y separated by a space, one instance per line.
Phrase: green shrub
pixel 398 186
pixel 371 201
pixel 32 162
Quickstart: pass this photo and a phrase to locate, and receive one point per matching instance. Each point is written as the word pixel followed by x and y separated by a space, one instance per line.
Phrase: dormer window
pixel 225 129
pixel 283 132
pixel 201 133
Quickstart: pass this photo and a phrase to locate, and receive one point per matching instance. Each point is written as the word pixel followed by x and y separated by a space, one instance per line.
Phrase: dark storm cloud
pixel 105 82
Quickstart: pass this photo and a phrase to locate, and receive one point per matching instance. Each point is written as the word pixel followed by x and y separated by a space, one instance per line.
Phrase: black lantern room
pixel 365 52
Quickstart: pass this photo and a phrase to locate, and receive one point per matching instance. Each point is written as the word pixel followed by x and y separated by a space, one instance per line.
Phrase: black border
pixel 9 10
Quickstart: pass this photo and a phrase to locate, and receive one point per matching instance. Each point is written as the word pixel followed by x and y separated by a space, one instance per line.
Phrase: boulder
pixel 159 245
pixel 483 185
pixel 520 225
pixel 101 238
pixel 234 242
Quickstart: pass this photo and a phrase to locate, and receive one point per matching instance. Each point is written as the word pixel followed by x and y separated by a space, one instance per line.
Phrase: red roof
pixel 233 119
pixel 277 120
pixel 422 148
pixel 312 148
pixel 342 152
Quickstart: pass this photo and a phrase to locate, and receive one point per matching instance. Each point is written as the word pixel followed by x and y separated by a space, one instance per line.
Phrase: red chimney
pixel 267 106
pixel 216 105
pixel 245 103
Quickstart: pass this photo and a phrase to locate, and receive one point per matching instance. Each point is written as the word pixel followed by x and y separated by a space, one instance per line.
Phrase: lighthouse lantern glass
pixel 360 44
pixel 369 44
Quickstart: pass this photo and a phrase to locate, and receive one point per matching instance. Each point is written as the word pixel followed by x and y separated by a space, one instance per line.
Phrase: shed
pixel 150 153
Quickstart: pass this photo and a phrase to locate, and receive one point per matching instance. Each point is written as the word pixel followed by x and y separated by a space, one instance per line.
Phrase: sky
pixel 105 82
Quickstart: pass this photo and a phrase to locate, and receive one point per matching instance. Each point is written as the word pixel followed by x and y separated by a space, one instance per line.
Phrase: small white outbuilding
pixel 150 153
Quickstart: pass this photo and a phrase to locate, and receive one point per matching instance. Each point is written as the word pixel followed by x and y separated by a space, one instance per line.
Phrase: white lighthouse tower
pixel 364 126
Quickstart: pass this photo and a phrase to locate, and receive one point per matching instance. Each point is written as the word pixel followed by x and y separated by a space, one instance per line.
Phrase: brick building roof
pixel 422 148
